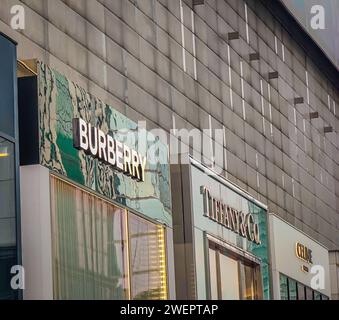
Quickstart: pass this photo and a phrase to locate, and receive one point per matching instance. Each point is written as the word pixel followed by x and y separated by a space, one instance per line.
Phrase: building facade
pixel 229 66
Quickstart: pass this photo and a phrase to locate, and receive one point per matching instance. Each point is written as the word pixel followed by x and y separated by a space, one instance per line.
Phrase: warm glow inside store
pixel 222 246
pixel 96 205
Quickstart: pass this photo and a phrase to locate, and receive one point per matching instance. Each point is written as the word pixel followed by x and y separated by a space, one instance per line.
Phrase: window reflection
pixel 7 218
pixel 301 291
pixel 317 295
pixel 89 245
pixel 233 277
pixel 309 293
pixel 293 290
pixel 283 287
pixel 7 195
pixel 229 278
pixel 97 254
pixel 147 259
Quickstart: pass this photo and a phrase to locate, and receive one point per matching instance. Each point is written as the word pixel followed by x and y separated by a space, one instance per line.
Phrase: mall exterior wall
pixel 277 109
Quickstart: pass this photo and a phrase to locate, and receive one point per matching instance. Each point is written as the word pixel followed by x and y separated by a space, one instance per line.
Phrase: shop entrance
pixel 232 276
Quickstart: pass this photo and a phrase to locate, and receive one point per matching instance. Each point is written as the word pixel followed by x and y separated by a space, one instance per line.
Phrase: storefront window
pixel 7 217
pixel 89 245
pixel 283 287
pixel 213 274
pixel 309 293
pixel 317 295
pixel 301 291
pixel 229 278
pixel 248 282
pixel 147 259
pixel 292 290
pixel 97 254
pixel 233 277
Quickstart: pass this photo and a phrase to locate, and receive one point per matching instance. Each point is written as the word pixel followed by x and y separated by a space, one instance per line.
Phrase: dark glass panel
pixel 301 291
pixel 292 289
pixel 7 85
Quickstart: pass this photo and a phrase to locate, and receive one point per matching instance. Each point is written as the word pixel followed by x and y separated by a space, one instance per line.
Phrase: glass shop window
pixel 213 273
pixel 317 295
pixel 283 287
pixel 231 276
pixel 7 195
pixel 309 293
pixel 147 259
pixel 8 254
pixel 293 290
pixel 102 252
pixel 301 291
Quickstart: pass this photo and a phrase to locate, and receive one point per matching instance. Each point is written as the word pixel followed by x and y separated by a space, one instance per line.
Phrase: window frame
pixel 240 256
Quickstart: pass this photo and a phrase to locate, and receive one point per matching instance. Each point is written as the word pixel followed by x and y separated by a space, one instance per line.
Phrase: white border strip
pixel 194 48
pixel 182 36
pixel 246 19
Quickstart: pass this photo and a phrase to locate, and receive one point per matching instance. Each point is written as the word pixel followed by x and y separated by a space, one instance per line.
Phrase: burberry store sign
pixel 234 220
pixel 108 150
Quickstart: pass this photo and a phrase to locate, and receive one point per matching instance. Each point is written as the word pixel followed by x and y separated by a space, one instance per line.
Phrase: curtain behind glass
pixel 147 259
pixel 89 245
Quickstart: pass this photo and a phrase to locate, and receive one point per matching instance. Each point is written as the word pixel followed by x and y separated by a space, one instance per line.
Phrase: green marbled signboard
pixel 61 100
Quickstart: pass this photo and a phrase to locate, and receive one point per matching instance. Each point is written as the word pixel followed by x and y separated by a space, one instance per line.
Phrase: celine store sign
pixel 293 254
pixel 234 220
pixel 108 150
pixel 304 254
